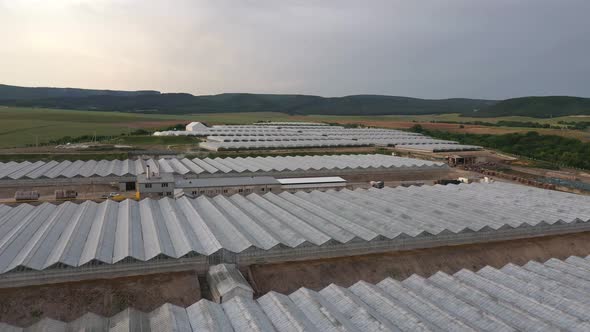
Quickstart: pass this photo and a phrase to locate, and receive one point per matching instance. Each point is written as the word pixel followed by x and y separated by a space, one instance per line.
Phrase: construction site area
pixel 430 236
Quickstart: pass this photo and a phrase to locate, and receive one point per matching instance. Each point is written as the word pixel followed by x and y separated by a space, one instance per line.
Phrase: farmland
pixel 427 123
pixel 24 126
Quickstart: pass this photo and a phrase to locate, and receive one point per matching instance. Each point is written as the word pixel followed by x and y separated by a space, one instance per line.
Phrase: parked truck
pixel 28 195
pixel 65 194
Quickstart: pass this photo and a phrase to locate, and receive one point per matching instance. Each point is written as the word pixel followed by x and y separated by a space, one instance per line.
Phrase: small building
pixel 155 185
pixel 226 282
pixel 461 160
pixel 478 157
pixel 196 126
pixel 229 186
pixel 309 184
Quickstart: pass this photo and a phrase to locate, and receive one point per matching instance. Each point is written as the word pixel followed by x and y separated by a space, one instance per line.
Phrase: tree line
pixel 550 148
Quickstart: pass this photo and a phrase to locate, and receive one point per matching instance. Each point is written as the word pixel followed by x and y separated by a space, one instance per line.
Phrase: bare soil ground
pixel 402 176
pixel 68 301
pixel 288 277
pixel 564 173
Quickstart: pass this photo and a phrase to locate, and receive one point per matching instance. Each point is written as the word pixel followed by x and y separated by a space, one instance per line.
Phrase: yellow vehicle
pixel 118 198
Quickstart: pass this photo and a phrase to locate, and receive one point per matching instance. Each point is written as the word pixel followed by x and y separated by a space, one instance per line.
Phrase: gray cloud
pixel 430 48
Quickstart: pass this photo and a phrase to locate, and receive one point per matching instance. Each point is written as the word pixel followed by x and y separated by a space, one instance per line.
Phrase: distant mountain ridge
pixel 12 92
pixel 184 103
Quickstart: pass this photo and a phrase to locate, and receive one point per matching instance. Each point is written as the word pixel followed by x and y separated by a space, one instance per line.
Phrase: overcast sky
pixel 432 49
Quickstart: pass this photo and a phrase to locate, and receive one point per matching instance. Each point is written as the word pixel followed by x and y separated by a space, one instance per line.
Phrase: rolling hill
pixel 538 107
pixel 182 103
pixel 12 92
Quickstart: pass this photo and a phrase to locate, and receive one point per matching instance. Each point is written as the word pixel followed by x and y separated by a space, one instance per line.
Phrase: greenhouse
pixel 550 296
pixel 167 233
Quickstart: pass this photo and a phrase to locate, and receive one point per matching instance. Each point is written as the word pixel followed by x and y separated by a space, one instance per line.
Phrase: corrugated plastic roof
pixel 39 237
pixel 289 142
pixel 215 146
pixel 267 138
pixel 243 137
pixel 103 168
pixel 291 123
pixel 225 278
pixel 396 141
pixel 554 296
pixel 440 147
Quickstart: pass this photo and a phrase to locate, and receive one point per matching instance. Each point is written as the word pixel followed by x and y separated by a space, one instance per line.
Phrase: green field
pixel 155 140
pixel 22 126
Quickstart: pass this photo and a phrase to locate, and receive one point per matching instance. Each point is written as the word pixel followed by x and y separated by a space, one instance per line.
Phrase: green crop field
pixel 22 126
pixel 155 140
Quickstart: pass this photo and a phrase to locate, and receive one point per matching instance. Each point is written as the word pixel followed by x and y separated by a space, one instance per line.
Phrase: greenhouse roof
pixel 553 296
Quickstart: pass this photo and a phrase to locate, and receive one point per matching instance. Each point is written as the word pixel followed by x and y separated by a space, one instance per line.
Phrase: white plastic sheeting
pixel 284 142
pixel 231 130
pixel 70 169
pixel 104 168
pixel 440 147
pixel 245 137
pixel 225 281
pixel 291 123
pixel 46 236
pixel 279 144
pixel 553 296
pixel 266 138
pixel 397 141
